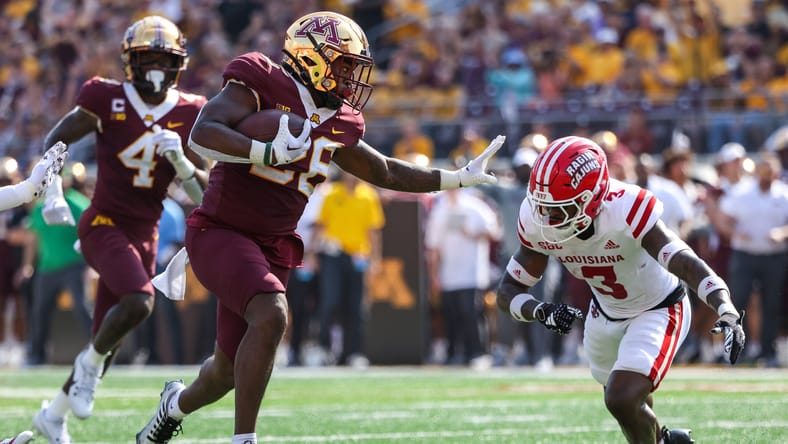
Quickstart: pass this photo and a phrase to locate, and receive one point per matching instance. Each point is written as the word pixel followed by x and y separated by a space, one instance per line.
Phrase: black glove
pixel 730 324
pixel 557 317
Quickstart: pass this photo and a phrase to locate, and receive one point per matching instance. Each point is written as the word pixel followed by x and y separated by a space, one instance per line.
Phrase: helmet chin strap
pixel 156 77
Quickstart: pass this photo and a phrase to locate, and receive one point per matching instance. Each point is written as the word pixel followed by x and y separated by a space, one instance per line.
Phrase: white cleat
pixel 162 427
pixel 55 432
pixel 82 391
pixel 21 438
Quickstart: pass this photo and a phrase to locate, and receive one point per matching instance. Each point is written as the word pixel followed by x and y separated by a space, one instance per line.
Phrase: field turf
pixel 421 405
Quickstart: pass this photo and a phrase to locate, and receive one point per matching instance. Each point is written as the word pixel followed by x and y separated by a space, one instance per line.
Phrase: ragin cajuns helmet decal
pixel 567 186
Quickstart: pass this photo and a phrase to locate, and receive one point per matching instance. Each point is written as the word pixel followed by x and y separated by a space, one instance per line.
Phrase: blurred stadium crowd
pixel 686 92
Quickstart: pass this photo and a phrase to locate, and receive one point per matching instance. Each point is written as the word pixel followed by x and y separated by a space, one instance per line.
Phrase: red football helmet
pixel 567 187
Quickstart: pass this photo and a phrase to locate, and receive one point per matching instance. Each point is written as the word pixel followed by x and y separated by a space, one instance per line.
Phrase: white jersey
pixel 624 278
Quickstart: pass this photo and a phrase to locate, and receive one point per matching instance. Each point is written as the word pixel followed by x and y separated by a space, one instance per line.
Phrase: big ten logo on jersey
pixel 118 109
pixel 581 166
pixel 549 246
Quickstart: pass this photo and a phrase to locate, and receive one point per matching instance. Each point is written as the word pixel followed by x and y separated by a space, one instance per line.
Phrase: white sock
pixel 58 408
pixel 174 408
pixel 245 438
pixel 93 357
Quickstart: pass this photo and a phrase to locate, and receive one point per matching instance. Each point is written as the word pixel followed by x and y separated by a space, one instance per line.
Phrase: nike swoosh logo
pixel 336 131
pixel 171 125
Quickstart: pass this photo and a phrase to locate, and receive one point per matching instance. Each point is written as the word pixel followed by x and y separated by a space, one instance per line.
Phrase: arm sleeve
pixel 14 195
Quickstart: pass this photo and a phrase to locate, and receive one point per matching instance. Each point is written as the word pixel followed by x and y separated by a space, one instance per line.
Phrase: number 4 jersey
pixel 625 279
pixel 133 179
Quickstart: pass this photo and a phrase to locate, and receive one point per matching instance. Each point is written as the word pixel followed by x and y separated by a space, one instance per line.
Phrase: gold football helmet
pixel 145 38
pixel 329 53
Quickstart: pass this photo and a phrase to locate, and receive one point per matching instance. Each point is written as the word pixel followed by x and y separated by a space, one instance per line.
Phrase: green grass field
pixel 422 405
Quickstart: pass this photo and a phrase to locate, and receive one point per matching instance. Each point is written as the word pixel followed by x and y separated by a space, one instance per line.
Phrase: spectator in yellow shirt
pixel 607 60
pixel 347 234
pixel 412 140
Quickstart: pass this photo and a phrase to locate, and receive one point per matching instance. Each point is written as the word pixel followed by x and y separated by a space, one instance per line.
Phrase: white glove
pixel 56 210
pixel 168 144
pixel 474 173
pixel 284 148
pixel 47 168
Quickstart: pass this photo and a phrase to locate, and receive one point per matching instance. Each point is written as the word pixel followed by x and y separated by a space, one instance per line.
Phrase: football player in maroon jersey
pixel 241 241
pixel 139 125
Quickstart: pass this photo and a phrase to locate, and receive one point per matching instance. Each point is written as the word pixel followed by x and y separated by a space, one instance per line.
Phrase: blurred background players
pixel 459 230
pixel 412 140
pixel 140 125
pixel 515 342
pixel 754 217
pixel 303 290
pixel 59 266
pixel 347 236
pixel 14 192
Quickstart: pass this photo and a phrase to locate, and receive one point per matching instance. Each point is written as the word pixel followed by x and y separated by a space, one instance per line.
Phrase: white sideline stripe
pixel 704 373
pixel 486 433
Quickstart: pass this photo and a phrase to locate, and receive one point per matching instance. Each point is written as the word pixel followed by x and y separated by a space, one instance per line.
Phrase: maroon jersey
pixel 132 179
pixel 268 201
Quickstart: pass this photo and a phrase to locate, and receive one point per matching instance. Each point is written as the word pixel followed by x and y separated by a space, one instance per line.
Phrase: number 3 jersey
pixel 132 179
pixel 624 278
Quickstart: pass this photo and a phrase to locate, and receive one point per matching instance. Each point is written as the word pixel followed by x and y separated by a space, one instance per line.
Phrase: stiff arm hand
pixel 475 172
pixel 48 167
pixel 56 210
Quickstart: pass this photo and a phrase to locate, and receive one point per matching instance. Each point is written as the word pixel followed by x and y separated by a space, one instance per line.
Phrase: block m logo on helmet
pixel 325 26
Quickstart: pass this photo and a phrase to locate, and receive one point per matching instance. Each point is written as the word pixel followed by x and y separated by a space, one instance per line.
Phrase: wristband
pixel 260 152
pixel 710 284
pixel 516 306
pixel 726 308
pixel 450 180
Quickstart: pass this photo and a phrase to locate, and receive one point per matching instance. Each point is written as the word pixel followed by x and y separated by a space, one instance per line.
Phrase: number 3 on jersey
pixel 603 279
pixel 139 156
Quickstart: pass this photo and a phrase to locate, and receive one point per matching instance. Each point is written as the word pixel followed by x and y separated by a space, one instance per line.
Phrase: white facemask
pixel 156 77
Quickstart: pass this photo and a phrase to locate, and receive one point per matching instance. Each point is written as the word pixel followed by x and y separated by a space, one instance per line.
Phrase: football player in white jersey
pixel 609 234
pixel 41 177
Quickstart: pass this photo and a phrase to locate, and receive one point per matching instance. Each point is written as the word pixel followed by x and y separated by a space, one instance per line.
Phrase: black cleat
pixel 676 436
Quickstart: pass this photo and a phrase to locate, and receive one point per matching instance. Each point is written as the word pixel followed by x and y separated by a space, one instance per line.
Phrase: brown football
pixel 264 124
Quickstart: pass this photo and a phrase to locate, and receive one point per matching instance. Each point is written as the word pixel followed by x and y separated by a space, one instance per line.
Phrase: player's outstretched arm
pixel 523 271
pixel 368 164
pixel 678 258
pixel 42 176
